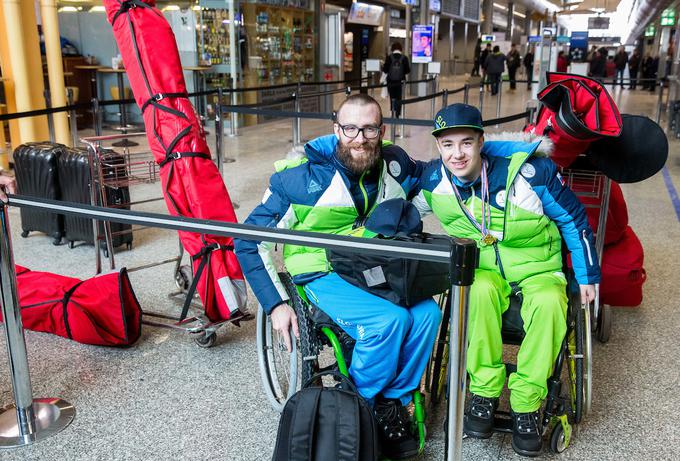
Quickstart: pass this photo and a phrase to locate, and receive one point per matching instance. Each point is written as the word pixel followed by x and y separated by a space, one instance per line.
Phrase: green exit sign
pixel 668 17
pixel 650 31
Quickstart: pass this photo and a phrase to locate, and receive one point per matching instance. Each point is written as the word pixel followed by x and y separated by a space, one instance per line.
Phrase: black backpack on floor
pixel 326 424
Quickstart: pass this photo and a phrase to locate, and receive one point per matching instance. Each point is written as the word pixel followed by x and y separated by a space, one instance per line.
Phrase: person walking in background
pixel 647 72
pixel 482 62
pixel 495 65
pixel 598 64
pixel 591 54
pixel 529 66
pixel 562 62
pixel 653 73
pixel 397 67
pixel 610 68
pixel 633 66
pixel 478 51
pixel 620 61
pixel 513 64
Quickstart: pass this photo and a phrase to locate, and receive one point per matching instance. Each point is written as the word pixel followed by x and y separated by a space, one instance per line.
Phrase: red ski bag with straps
pixel 101 311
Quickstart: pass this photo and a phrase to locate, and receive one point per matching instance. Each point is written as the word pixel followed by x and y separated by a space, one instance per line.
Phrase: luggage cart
pixel 594 185
pixel 138 167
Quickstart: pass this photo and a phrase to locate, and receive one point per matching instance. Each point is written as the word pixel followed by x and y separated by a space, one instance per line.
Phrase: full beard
pixel 359 164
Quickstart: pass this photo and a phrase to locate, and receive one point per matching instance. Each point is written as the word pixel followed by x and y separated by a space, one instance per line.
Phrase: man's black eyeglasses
pixel 352 131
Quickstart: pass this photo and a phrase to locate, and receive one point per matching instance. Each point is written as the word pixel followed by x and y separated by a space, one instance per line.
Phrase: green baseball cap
pixel 457 116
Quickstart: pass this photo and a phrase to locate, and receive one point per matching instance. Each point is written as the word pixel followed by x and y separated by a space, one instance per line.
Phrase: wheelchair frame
pixel 560 412
pixel 303 361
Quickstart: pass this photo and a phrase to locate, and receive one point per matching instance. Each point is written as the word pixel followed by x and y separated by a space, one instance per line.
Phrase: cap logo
pixel 441 123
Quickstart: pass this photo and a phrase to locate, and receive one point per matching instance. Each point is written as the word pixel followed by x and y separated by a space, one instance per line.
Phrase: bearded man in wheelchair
pixel 511 199
pixel 333 189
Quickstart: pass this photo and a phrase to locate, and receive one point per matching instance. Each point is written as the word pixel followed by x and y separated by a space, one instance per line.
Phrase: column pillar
pixel 55 69
pixel 528 23
pixel 487 23
pixel 510 24
pixel 24 55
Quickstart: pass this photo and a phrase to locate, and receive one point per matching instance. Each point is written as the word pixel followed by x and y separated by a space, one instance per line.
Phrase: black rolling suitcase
pixel 36 175
pixel 74 171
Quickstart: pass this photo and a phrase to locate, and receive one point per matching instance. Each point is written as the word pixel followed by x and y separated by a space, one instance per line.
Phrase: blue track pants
pixel 393 343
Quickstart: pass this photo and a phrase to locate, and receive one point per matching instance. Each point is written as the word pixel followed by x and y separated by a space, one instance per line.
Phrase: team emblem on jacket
pixel 500 198
pixel 528 171
pixel 395 168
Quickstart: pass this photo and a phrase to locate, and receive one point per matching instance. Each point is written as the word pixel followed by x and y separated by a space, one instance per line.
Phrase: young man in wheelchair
pixel 333 189
pixel 511 199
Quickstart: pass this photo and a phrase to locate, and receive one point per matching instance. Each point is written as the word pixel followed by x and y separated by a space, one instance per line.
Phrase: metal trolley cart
pixel 594 187
pixel 114 170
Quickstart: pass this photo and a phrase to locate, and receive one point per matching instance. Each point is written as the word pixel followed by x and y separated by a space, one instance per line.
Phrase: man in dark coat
pixel 633 66
pixel 513 60
pixel 598 64
pixel 396 67
pixel 495 65
pixel 529 66
pixel 620 60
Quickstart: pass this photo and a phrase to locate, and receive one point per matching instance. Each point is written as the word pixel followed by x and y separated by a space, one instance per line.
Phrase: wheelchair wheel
pixel 278 368
pixel 440 358
pixel 587 362
pixel 576 356
pixel 282 372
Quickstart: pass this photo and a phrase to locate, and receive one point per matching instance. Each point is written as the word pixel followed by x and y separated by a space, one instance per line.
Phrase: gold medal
pixel 489 239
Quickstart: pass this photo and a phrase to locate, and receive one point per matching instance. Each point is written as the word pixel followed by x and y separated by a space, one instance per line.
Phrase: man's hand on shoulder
pixel 587 294
pixel 282 317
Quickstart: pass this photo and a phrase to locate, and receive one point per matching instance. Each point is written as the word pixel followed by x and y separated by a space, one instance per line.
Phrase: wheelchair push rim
pixel 279 369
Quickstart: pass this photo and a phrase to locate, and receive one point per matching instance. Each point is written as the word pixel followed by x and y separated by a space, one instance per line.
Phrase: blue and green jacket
pixel 317 193
pixel 532 210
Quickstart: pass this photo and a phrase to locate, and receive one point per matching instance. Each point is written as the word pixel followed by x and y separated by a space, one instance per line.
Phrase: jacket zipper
pixel 363 192
pixel 587 244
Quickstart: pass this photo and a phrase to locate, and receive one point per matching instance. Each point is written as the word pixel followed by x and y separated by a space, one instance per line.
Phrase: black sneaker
pixel 394 428
pixel 478 422
pixel 526 433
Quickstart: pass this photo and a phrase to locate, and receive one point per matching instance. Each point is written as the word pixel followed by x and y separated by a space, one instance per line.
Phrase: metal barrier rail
pixel 462 256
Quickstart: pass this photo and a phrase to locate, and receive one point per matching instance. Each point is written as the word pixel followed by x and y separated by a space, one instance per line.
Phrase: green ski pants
pixel 543 311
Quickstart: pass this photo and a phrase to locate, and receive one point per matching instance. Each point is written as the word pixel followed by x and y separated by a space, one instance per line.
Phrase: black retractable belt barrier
pixel 255 110
pixel 461 254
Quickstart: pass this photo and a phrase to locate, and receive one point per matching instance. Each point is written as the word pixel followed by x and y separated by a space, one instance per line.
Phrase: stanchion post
pixel 434 91
pixel 464 261
pixel 72 117
pixel 393 134
pixel 445 99
pixel 233 121
pixel 50 119
pixel 218 133
pixel 296 120
pixel 96 118
pixel 466 93
pixel 659 102
pixel 481 98
pixel 402 134
pixel 28 420
pixel 498 98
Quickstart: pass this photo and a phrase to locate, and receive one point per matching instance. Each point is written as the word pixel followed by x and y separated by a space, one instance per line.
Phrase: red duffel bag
pixel 617 214
pixel 102 311
pixel 575 111
pixel 622 271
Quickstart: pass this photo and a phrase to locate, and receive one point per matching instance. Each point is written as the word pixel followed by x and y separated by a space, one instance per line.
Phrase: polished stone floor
pixel 167 399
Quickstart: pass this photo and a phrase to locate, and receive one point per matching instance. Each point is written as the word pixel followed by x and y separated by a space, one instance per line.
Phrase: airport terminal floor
pixel 165 398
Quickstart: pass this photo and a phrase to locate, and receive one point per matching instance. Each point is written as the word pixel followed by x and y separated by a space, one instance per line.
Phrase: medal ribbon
pixel 485 225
